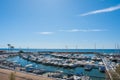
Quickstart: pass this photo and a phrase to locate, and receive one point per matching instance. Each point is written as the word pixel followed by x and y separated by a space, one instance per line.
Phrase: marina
pixel 59 40
pixel 60 65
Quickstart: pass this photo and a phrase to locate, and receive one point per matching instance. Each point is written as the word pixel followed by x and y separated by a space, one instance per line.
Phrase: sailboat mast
pixel 77 48
pixel 95 47
pixel 103 49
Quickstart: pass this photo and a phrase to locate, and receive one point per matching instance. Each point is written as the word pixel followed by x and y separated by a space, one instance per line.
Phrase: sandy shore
pixel 5 74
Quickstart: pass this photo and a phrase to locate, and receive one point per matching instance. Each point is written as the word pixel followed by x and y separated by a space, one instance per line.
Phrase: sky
pixel 60 23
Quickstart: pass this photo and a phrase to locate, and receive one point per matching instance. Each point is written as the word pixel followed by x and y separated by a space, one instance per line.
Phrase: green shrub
pixel 12 76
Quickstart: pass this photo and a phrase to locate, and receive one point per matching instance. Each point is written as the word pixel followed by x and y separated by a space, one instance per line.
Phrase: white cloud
pixel 110 9
pixel 72 30
pixel 45 33
pixel 84 30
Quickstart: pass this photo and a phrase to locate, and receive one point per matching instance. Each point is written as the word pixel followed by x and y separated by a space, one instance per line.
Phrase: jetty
pixel 110 69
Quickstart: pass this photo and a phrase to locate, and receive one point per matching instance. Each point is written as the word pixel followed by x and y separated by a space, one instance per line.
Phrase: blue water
pixel 78 70
pixel 108 51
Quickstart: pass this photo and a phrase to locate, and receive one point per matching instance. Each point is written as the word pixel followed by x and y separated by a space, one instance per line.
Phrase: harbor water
pixel 94 73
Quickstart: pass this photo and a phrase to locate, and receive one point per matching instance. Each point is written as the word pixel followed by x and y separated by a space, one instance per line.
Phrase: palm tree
pixel 8 46
pixel 11 47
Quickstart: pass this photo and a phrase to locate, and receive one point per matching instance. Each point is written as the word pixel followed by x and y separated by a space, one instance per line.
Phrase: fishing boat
pixel 29 69
pixel 39 71
pixel 100 63
pixel 88 67
pixel 29 65
pixel 102 69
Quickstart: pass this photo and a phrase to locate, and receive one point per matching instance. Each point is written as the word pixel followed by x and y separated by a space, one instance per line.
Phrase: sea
pixel 105 51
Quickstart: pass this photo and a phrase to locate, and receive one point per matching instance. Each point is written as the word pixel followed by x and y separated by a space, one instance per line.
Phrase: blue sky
pixel 60 23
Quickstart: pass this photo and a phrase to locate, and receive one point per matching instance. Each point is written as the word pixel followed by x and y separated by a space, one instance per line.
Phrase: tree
pixel 118 69
pixel 8 46
pixel 11 47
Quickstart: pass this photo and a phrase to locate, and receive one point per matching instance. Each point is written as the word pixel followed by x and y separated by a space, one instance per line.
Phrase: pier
pixel 110 69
